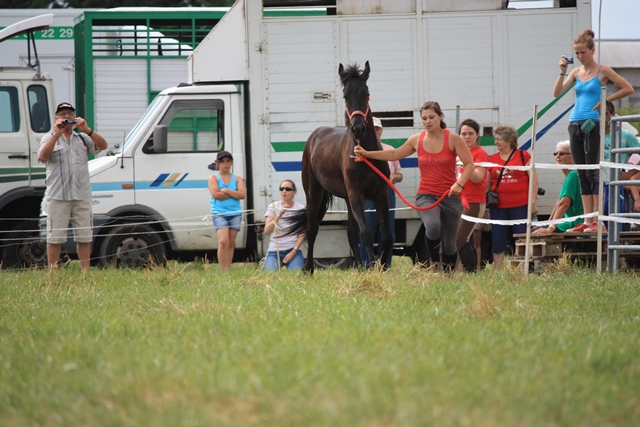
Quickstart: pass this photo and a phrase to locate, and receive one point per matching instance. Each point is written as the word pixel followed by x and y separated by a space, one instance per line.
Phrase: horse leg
pixel 372 223
pixel 386 239
pixel 355 206
pixel 315 199
pixel 353 234
pixel 312 232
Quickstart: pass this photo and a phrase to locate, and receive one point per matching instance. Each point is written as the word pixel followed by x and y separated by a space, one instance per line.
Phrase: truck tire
pixel 132 245
pixel 23 247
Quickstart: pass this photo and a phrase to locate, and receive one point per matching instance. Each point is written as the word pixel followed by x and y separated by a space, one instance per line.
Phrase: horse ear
pixel 341 70
pixel 367 70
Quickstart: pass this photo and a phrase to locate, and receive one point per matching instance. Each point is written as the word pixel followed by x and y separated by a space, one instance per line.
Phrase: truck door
pixel 175 183
pixel 14 138
pixel 24 120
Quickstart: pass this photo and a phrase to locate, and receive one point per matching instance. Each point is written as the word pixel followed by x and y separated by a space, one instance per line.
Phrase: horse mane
pixel 351 72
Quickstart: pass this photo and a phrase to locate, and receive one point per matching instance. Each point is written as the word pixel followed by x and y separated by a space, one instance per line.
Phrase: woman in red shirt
pixel 475 192
pixel 513 189
pixel 437 149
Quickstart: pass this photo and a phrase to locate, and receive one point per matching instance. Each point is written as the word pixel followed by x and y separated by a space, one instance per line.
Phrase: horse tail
pixel 299 220
pixel 327 200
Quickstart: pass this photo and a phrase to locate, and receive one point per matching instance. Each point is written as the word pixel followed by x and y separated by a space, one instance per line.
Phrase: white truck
pixel 260 84
pixel 26 115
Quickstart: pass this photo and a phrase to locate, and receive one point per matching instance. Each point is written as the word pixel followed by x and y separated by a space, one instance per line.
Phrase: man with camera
pixel 68 195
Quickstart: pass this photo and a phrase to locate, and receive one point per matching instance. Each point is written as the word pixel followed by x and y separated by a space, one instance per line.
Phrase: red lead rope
pixel 465 205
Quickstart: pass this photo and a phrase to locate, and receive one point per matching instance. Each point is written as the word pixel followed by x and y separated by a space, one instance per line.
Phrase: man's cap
pixel 377 123
pixel 222 154
pixel 64 106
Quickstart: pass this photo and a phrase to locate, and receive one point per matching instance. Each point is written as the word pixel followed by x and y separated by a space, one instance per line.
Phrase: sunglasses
pixel 559 153
pixel 286 189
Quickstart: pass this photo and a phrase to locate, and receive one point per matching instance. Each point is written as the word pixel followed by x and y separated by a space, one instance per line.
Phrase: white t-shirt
pixel 283 242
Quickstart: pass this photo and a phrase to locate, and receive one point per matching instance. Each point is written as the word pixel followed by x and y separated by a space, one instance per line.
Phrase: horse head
pixel 356 98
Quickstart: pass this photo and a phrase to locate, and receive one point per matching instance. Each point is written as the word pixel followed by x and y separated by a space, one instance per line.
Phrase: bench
pixel 549 248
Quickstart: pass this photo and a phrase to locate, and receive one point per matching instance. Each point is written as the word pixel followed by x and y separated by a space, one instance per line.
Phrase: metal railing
pixel 613 243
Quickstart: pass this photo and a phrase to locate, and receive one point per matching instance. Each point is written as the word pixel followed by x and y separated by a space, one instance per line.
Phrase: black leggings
pixel 585 150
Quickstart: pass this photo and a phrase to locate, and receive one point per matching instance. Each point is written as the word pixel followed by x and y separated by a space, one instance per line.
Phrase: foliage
pixel 629 110
pixel 189 344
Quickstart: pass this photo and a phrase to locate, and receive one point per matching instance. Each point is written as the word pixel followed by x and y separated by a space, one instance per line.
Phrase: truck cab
pixel 150 195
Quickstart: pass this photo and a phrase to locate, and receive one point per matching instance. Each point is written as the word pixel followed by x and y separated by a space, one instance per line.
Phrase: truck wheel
pixel 132 245
pixel 24 248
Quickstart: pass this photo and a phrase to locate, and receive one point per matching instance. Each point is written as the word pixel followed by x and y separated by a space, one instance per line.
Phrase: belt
pixel 581 122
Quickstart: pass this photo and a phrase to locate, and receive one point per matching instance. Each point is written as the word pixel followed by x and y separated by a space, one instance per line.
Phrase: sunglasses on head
pixel 286 189
pixel 559 153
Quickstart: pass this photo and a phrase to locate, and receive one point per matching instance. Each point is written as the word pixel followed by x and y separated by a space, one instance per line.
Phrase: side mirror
pixel 160 139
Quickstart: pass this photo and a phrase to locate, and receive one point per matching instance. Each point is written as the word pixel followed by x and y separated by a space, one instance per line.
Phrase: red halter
pixel 357 113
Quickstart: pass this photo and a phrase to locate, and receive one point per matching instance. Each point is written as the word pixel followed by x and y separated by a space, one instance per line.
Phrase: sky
pixel 620 18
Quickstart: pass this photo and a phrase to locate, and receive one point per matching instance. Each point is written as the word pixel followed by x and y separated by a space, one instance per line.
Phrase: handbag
pixel 492 195
pixel 587 126
pixel 492 199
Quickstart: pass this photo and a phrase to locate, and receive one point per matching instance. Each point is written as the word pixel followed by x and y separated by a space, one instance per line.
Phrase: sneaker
pixel 579 228
pixel 593 228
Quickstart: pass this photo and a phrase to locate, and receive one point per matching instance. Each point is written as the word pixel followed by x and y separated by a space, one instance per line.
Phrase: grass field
pixel 190 345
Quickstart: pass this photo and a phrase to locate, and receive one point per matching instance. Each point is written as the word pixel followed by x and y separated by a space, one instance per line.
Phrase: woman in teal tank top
pixel 590 77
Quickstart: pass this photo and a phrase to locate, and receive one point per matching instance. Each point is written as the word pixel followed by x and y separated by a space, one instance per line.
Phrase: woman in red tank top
pixel 468 242
pixel 437 149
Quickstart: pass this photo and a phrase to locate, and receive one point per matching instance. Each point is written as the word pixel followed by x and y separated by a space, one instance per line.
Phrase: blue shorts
pixel 232 222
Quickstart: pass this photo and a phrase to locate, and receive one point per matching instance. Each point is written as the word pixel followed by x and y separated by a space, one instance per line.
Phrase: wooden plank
pixel 551 247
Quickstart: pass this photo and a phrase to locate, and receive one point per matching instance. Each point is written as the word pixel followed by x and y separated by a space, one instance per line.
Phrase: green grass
pixel 190 345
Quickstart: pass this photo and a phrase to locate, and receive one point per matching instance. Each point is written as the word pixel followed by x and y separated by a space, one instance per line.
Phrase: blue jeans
pixel 372 224
pixel 500 233
pixel 271 263
pixel 626 205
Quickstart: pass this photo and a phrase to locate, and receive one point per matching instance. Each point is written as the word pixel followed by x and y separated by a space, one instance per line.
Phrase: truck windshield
pixel 142 123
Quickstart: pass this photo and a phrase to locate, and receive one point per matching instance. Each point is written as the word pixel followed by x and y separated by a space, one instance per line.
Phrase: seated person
pixel 633 174
pixel 570 201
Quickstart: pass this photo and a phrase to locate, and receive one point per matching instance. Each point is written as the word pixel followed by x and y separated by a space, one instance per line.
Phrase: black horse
pixel 329 169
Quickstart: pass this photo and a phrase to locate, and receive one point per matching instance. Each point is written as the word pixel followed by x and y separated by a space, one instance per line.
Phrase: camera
pixel 541 191
pixel 568 59
pixel 69 122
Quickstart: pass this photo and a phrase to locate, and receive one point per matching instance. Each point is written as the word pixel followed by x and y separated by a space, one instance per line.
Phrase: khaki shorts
pixel 61 212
